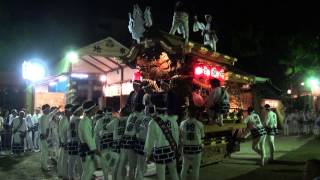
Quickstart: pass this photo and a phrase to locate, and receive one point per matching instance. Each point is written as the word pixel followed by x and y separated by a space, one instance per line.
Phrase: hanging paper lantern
pixel 137 76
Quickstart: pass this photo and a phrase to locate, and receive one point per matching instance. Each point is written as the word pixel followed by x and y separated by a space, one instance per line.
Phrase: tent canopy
pixel 101 57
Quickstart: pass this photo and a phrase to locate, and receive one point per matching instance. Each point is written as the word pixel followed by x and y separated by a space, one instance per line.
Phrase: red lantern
pixel 137 76
pixel 198 70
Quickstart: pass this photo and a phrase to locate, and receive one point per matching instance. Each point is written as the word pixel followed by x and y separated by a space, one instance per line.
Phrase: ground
pixel 291 155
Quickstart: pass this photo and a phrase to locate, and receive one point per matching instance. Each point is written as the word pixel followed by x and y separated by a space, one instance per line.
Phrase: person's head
pixel 208 18
pixel 89 108
pixel 136 85
pixel 37 111
pixel 108 112
pixel 124 111
pixel 68 110
pixel 46 109
pixel 14 112
pixel 77 110
pixel 250 110
pixel 267 107
pixel 99 114
pixel 215 83
pixel 159 102
pixel 21 114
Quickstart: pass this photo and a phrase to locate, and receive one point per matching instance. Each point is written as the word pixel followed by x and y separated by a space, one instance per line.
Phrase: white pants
pixel 36 140
pixel 172 167
pixel 63 163
pixel 258 145
pixel 109 161
pixel 44 154
pixel 271 145
pixel 88 166
pixel 74 166
pixel 141 167
pixel 193 161
pixel 295 127
pixel 28 141
pixel 127 155
pixel 180 20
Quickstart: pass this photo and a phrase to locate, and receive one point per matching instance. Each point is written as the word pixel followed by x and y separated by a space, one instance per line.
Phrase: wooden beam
pixel 93 65
pixel 100 62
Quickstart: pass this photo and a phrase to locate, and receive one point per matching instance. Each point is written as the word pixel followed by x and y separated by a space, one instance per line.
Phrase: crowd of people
pixel 81 138
pixel 302 123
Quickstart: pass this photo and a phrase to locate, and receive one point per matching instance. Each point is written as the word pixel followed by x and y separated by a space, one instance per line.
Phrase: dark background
pixel 256 32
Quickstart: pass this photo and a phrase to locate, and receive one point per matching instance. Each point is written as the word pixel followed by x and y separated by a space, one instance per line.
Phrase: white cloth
pixel 72 130
pixel 44 129
pixel 193 161
pixel 63 130
pixel 253 121
pixel 29 143
pixel 192 132
pixel 155 136
pixel 86 134
pixel 74 166
pixel 18 129
pixel 271 120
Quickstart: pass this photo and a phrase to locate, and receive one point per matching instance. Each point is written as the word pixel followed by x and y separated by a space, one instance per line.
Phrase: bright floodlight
pixel 313 82
pixel 302 84
pixel 289 91
pixel 103 78
pixel 73 57
pixel 32 71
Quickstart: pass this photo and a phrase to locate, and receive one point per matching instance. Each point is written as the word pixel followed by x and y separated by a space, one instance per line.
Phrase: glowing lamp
pixel 32 71
pixel 198 71
pixel 72 57
pixel 103 78
pixel 289 91
pixel 313 82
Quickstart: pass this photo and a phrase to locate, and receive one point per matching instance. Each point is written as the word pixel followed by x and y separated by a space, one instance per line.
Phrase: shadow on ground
pixel 289 166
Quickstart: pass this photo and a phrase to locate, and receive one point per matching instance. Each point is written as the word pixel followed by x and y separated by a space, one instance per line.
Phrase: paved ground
pixel 291 154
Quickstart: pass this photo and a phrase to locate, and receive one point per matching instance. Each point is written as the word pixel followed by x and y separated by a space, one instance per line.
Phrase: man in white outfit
pixel 118 125
pixel 192 132
pixel 63 139
pixel 19 131
pixel 141 133
pixel 28 141
pixel 53 138
pixel 104 135
pixel 88 147
pixel 74 160
pixel 35 129
pixel 271 128
pixel 44 133
pixel 258 133
pixel 161 142
pixel 127 146
pixel 287 123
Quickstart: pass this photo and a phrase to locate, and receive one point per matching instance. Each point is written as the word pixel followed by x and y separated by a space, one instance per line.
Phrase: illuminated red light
pixel 206 71
pixel 198 71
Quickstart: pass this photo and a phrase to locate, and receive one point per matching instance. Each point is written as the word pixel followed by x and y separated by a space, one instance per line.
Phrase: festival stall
pixel 93 72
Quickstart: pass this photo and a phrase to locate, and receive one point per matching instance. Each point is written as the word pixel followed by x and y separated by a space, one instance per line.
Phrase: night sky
pixel 257 33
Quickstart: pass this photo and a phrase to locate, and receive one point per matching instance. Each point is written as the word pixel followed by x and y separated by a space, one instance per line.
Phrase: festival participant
pixel 162 139
pixel 104 136
pixel 74 160
pixel 141 134
pixel 192 132
pixel 258 133
pixel 19 131
pixel 88 149
pixel 128 141
pixel 63 140
pixel 271 128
